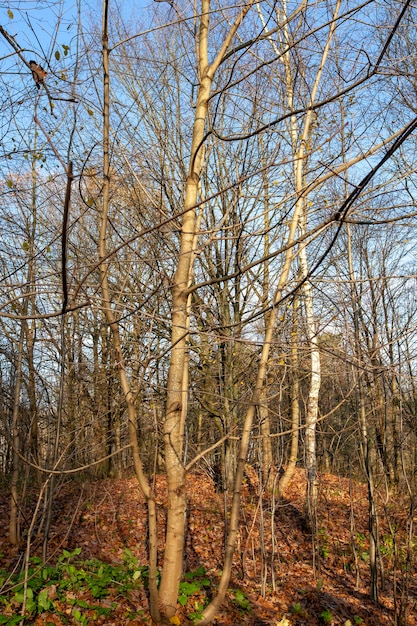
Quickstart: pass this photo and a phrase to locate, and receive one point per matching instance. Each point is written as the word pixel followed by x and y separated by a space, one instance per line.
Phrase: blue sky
pixel 36 25
pixel 41 27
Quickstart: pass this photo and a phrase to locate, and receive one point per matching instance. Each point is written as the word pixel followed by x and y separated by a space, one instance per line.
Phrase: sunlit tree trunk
pixel 300 161
pixel 312 405
pixel 295 400
pixel 174 423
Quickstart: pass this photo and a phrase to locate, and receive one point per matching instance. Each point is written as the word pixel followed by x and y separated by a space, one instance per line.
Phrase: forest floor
pixel 276 580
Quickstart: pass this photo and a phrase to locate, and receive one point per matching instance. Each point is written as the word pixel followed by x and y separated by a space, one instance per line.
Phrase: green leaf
pixel 57 55
pixel 10 13
pixel 83 604
pixel 189 588
pixel 43 601
pixel 18 597
pixel 200 571
pixel 182 600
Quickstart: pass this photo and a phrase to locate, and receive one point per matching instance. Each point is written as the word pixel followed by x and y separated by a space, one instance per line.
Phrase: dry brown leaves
pixel 274 566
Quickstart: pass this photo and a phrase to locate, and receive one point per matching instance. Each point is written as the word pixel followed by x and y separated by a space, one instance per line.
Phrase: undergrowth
pixel 51 588
pixel 70 587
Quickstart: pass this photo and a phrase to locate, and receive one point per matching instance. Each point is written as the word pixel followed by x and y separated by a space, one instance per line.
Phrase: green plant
pixel 48 587
pixel 387 545
pixel 297 609
pixel 197 614
pixel 360 539
pixel 82 619
pixel 324 543
pixel 16 619
pixel 326 616
pixel 358 620
pixel 241 600
pixel 131 563
pixel 194 582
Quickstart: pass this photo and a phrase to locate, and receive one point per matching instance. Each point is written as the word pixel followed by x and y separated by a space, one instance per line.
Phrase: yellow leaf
pixel 10 13
pixel 175 620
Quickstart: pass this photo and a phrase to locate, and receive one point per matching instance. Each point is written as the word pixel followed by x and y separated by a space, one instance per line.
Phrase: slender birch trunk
pixel 300 161
pixel 295 401
pixel 313 395
pixel 300 143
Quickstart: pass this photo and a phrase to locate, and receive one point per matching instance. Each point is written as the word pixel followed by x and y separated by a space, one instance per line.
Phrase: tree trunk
pixel 313 397
pixel 174 417
pixel 295 402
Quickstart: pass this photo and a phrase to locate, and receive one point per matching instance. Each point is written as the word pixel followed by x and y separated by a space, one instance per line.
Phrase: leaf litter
pixel 279 577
